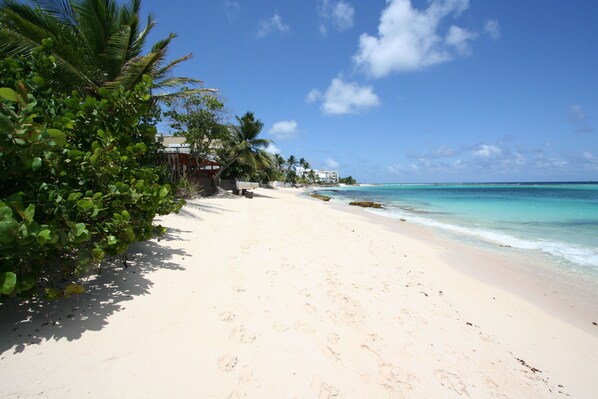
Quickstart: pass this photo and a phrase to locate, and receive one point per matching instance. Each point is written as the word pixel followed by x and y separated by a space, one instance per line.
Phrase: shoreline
pixel 286 296
pixel 529 275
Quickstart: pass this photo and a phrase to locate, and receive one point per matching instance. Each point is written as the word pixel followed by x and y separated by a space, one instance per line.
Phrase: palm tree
pixel 303 163
pixel 312 176
pixel 244 147
pixel 279 161
pixel 292 163
pixel 96 43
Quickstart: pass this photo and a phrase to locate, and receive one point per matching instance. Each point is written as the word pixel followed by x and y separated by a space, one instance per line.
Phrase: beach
pixel 286 296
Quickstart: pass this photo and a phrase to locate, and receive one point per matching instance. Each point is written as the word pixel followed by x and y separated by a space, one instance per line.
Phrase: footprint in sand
pixel 394 379
pixel 322 389
pixel 240 334
pixel 373 352
pixel 333 338
pixel 227 316
pixel 309 308
pixel 330 353
pixel 304 328
pixel 227 362
pixel 246 377
pixel 280 327
pixel 451 381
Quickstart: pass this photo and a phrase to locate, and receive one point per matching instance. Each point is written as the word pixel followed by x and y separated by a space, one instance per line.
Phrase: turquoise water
pixel 558 220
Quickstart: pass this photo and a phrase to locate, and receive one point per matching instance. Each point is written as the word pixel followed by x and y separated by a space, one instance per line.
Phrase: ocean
pixel 556 221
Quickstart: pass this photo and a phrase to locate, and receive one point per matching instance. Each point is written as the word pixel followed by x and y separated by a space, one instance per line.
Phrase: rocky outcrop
pixel 320 196
pixel 366 204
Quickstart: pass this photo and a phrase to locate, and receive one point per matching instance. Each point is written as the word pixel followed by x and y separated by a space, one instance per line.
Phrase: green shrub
pixel 78 179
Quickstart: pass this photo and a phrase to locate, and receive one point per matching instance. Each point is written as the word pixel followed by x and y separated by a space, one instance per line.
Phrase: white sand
pixel 282 296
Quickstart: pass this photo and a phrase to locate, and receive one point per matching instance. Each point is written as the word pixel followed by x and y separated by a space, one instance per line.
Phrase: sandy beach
pixel 285 296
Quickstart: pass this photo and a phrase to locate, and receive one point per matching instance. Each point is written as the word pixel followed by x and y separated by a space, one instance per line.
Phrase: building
pixel 173 144
pixel 324 176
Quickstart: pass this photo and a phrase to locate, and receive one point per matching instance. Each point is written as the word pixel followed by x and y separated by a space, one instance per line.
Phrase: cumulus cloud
pixel 313 96
pixel 486 151
pixel 232 10
pixel 338 13
pixel 494 162
pixel 284 130
pixel 272 149
pixel 492 29
pixel 272 25
pixel 459 39
pixel 409 39
pixel 345 98
pixel 443 152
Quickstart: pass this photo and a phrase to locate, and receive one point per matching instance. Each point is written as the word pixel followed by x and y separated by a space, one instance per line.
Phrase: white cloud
pixel 340 13
pixel 348 98
pixel 283 130
pixel 332 164
pixel 313 96
pixel 492 28
pixel 232 10
pixel 272 149
pixel 444 152
pixel 459 39
pixel 587 156
pixel 486 151
pixel 272 25
pixel 409 39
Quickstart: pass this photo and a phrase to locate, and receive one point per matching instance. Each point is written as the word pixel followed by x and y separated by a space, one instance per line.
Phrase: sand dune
pixel 283 296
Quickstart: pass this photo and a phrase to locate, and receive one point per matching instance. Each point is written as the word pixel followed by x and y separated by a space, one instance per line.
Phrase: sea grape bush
pixel 78 179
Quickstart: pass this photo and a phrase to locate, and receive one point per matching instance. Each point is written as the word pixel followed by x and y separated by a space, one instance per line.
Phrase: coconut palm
pixel 95 43
pixel 304 164
pixel 292 163
pixel 244 146
pixel 279 161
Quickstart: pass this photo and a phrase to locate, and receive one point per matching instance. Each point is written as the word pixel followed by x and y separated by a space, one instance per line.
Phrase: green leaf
pixel 163 192
pixel 79 229
pixel 9 280
pixel 8 231
pixel 52 293
pixel 57 136
pixel 73 289
pixel 5 212
pixel 85 204
pixel 39 81
pixel 9 94
pixel 36 164
pixel 75 196
pixel 43 236
pixel 111 240
pixel 29 213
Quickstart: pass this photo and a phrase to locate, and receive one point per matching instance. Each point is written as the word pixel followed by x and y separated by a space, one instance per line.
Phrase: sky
pixel 404 91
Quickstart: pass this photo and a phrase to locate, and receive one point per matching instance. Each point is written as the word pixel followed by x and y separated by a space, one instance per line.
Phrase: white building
pixel 324 176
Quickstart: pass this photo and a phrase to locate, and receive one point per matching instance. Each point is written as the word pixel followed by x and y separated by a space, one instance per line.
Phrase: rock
pixel 366 204
pixel 320 196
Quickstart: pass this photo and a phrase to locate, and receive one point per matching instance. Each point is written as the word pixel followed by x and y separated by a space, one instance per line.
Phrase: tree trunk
pixel 216 177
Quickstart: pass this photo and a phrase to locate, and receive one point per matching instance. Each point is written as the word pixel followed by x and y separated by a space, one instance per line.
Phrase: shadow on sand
pixel 34 321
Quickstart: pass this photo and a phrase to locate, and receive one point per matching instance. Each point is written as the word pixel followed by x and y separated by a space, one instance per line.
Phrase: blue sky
pixel 405 91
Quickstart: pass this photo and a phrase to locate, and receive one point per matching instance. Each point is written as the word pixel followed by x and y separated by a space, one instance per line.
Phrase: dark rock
pixel 320 196
pixel 366 204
